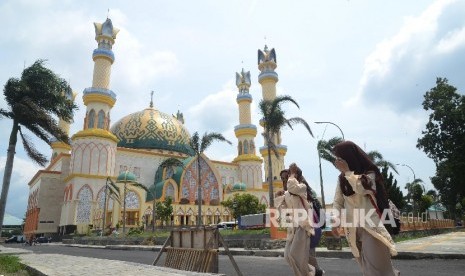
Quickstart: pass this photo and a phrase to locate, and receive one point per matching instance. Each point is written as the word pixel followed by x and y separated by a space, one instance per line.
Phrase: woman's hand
pixel 341 165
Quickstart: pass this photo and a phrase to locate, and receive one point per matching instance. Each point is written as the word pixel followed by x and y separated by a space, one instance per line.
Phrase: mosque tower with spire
pixel 268 79
pixel 94 147
pixel 249 163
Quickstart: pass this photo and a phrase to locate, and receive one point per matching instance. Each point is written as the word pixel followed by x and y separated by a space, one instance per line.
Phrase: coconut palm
pixel 128 178
pixel 379 161
pixel 167 163
pixel 199 145
pixel 325 152
pixel 34 100
pixel 111 191
pixel 273 120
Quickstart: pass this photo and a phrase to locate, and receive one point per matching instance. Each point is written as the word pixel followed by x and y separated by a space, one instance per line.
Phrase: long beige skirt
pixel 296 253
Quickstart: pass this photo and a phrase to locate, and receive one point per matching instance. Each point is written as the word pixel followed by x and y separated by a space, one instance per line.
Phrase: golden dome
pixel 152 129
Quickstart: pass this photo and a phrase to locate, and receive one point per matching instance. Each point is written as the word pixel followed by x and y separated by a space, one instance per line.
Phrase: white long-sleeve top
pixel 291 201
pixel 361 200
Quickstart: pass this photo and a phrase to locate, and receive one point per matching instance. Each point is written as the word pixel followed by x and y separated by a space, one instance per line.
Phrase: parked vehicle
pixel 254 221
pixel 12 239
pixel 43 240
pixel 226 225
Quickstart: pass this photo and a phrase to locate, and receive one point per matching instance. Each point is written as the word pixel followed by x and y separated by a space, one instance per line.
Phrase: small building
pixel 436 211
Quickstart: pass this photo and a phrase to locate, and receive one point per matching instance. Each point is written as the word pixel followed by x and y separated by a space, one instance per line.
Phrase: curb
pixel 403 255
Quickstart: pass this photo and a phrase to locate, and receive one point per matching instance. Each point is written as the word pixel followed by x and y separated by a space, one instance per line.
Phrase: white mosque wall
pixel 229 173
pixel 143 165
pixel 251 174
pixel 93 156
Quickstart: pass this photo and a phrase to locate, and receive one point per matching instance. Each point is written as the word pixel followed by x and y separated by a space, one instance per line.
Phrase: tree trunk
pixel 124 209
pixel 104 209
pixel 270 174
pixel 153 215
pixel 321 183
pixel 8 170
pixel 199 192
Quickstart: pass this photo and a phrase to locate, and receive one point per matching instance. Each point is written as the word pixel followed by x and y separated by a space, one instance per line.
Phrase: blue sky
pixel 362 64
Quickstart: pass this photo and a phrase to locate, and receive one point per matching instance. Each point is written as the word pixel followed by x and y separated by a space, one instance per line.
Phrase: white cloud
pixel 401 68
pixel 23 171
pixel 217 112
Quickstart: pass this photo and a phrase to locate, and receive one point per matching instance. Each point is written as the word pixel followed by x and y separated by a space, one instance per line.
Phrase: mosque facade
pixel 69 195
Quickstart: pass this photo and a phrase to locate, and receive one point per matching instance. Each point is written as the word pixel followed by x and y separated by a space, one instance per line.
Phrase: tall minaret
pixel 59 147
pixel 99 100
pixel 268 79
pixel 93 155
pixel 250 165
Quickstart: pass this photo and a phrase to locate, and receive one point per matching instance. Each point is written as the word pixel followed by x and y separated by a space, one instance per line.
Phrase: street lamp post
pixel 319 164
pixel 104 208
pixel 409 188
pixel 331 123
pixel 125 178
pixel 405 165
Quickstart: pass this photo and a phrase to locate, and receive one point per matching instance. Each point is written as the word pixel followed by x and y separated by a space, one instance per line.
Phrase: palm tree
pixel 414 191
pixel 128 178
pixel 199 145
pixel 167 163
pixel 33 101
pixel 111 191
pixel 325 152
pixel 379 161
pixel 273 120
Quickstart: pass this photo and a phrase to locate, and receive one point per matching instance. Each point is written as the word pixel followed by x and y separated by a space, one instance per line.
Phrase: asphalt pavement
pixel 444 246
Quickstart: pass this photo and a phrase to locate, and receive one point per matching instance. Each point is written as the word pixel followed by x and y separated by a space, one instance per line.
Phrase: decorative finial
pixel 108 13
pixel 151 99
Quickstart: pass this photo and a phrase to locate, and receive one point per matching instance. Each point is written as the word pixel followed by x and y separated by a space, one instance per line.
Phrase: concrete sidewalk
pixel 64 265
pixel 444 246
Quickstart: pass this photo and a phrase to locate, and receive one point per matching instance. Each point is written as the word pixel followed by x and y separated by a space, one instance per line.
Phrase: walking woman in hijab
pixel 361 187
pixel 312 200
pixel 294 200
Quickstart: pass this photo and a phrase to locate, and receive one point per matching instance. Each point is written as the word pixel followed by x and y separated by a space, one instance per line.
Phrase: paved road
pixel 252 265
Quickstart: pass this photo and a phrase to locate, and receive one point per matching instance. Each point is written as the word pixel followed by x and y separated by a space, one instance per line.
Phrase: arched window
pixel 169 191
pixel 132 200
pixel 246 147
pixel 84 205
pixel 240 148
pixel 169 172
pixel 101 119
pixel 91 119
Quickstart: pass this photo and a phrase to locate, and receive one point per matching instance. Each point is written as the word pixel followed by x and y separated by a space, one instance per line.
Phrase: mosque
pixel 68 196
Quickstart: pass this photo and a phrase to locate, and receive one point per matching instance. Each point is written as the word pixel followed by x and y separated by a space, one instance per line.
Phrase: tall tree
pixel 164 210
pixel 199 145
pixel 392 190
pixel 243 204
pixel 274 120
pixel 443 140
pixel 33 102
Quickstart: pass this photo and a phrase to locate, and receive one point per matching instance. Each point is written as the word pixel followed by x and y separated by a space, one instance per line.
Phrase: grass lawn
pixel 10 265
